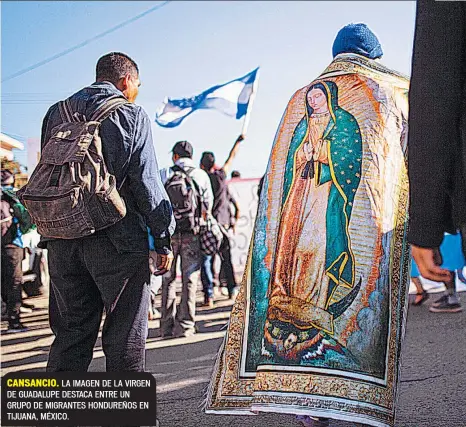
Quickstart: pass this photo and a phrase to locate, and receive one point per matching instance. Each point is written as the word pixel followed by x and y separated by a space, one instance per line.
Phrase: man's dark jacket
pixel 129 155
pixel 437 132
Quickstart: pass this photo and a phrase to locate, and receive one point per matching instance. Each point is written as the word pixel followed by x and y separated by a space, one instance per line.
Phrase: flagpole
pixel 247 116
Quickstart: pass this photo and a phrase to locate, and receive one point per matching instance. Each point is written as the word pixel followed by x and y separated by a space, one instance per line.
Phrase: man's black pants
pixel 12 277
pixel 87 276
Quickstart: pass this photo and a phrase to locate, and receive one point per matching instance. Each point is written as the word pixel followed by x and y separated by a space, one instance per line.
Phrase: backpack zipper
pixel 42 198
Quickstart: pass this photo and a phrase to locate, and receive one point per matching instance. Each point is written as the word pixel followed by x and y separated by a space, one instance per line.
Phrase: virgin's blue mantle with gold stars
pixel 344 146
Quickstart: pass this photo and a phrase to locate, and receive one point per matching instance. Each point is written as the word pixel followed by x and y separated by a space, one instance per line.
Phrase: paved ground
pixel 433 387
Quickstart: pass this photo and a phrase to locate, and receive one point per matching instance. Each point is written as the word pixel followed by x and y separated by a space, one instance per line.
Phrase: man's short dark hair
pixel 114 66
pixel 208 160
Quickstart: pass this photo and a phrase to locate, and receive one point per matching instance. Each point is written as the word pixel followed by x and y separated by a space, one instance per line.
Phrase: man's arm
pixel 433 139
pixel 145 184
pixel 435 107
pixel 232 155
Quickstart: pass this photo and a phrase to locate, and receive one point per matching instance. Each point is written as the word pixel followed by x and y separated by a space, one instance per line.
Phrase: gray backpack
pixel 71 194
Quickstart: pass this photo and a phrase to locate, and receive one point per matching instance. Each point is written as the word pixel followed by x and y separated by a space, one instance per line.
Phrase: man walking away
pixel 191 195
pixel 110 269
pixel 221 209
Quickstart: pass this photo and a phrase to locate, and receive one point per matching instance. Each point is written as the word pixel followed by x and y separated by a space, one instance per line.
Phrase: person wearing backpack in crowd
pixel 191 195
pixel 15 222
pixel 97 151
pixel 221 209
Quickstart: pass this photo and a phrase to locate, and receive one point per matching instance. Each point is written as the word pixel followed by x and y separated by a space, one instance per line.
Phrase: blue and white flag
pixel 232 98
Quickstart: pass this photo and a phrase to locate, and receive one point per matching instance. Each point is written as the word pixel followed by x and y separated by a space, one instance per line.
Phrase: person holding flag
pixel 221 208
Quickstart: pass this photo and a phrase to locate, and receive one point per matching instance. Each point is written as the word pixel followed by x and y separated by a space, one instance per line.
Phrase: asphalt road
pixel 432 393
pixel 433 385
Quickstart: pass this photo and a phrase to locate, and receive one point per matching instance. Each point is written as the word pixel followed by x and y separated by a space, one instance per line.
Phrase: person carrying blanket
pixel 317 325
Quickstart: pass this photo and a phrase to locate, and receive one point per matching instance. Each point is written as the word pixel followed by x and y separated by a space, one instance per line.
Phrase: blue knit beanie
pixel 357 38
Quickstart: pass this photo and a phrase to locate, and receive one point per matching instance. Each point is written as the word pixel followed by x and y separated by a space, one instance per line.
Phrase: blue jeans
pixel 207 278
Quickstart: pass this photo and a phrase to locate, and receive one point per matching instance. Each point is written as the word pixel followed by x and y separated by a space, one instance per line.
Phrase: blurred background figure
pixel 234 217
pixel 221 210
pixel 15 222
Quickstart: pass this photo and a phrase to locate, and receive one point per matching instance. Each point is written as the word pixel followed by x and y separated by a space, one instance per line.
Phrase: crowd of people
pixel 185 199
pixel 199 195
pixel 101 205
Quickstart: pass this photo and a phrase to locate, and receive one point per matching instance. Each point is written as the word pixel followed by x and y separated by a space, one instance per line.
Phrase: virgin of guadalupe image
pixel 316 328
pixel 322 175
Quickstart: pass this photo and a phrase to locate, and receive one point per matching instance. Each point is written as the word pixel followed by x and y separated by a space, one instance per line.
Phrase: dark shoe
pixel 448 305
pixel 14 328
pixel 442 300
pixel 209 303
pixel 421 298
pixel 167 334
pixel 31 306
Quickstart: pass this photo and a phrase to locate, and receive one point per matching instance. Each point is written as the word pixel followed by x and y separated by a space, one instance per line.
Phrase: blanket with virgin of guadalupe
pixel 317 326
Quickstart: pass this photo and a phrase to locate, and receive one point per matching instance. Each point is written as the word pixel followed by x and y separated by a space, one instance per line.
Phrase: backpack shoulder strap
pixel 65 111
pixel 195 184
pixel 108 107
pixel 175 169
pixel 67 114
pixel 188 178
pixel 202 205
pixel 191 181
